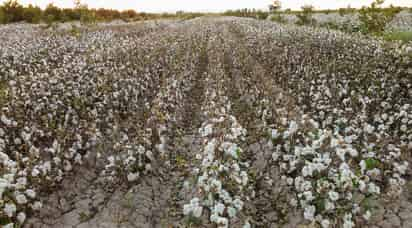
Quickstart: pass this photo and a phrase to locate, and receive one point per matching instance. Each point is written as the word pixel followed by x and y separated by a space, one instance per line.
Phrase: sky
pixel 207 5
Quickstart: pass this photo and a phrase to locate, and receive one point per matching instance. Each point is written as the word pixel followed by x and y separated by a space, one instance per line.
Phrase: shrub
pixel 262 15
pixel 32 14
pixel 374 19
pixel 13 11
pixel 2 16
pixel 404 36
pixel 52 13
pixel 278 18
pixel 305 17
pixel 86 16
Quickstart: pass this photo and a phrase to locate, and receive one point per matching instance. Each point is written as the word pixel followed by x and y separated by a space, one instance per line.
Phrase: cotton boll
pixel 37 205
pixel 367 215
pixel 309 212
pixel 334 196
pixel 325 223
pixel 5 120
pixel 30 193
pixel 219 208
pixel 247 225
pixel 21 217
pixel 21 198
pixel 231 212
pixel 131 177
pixel 9 209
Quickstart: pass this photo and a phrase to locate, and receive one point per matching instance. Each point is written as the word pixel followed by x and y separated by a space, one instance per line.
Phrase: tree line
pixel 12 11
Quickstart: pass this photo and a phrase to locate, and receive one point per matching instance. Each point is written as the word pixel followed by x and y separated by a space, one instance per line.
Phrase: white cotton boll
pixel 307 171
pixel 308 196
pixel 374 173
pixel 132 177
pixel 5 121
pixel 21 183
pixel 17 141
pixel 219 208
pixel 46 167
pixel 214 218
pixel 349 196
pixel 67 166
pixel 231 212
pixel 21 199
pixel 197 211
pixel 148 167
pixel 10 225
pixel 402 168
pixel 198 156
pixel 149 155
pixel 9 209
pixel 309 213
pixel 21 217
pixel 238 204
pixel 236 167
pixel 349 139
pixel 293 202
pixel 356 209
pixel 207 130
pixel 334 196
pixel 187 209
pixel 111 160
pixel 3 186
pixel 216 184
pixel 373 189
pixel 404 128
pixel 247 225
pixel 325 223
pixel 30 193
pixel 222 222
pixel 348 221
pixel 362 186
pixel 244 177
pixel 367 215
pixel 274 134
pixel 161 147
pixel 368 128
pixel 353 152
pixel 37 205
pixel 362 165
pixel 293 127
pixel 78 159
pixel 141 149
pixel 329 205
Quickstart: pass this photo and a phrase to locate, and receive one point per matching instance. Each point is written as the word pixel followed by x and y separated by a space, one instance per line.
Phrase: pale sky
pixel 207 5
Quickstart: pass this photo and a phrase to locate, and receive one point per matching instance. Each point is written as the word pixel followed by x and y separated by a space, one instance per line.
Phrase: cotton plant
pixel 329 174
pixel 221 178
pixel 59 115
pixel 220 166
pixel 336 110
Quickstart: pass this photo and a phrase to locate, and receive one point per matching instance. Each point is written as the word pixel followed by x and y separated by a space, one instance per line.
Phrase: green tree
pixel 32 14
pixel 374 18
pixel 2 16
pixel 305 17
pixel 52 13
pixel 86 16
pixel 13 11
pixel 128 15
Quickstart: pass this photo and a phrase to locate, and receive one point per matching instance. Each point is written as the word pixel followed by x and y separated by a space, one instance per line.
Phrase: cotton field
pixel 210 122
